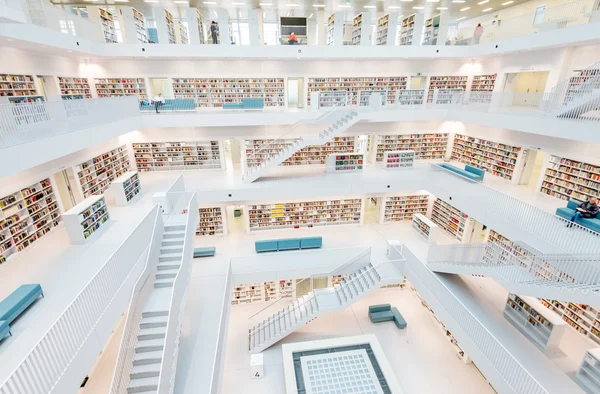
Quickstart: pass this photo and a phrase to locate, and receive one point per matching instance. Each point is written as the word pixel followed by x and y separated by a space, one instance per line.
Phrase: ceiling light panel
pixel 487 9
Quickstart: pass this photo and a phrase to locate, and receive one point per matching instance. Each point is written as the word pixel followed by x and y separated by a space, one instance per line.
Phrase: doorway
pixel 478 232
pixel 533 160
pixel 161 85
pixel 418 82
pixel 295 92
pixel 63 185
pixel 48 87
pixel 533 83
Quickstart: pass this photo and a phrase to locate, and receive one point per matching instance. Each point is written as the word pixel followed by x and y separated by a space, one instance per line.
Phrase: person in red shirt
pixel 293 39
pixel 478 33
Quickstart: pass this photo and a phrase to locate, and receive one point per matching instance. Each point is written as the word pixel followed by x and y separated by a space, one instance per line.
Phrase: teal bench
pixel 470 172
pixel 247 103
pixel 170 105
pixel 13 305
pixel 205 252
pixel 569 211
pixel 275 245
pixel 385 312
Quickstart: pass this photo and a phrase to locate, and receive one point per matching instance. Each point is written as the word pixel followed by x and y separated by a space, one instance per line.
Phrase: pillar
pixel 192 20
pixel 321 26
pixel 392 29
pixel 127 22
pixel 224 27
pixel 339 21
pixel 161 25
pixel 255 27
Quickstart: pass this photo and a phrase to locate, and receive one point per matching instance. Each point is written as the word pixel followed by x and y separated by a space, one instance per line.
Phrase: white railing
pixel 221 337
pixel 139 296
pixel 168 367
pixel 470 332
pixel 27 122
pixel 539 228
pixel 44 365
pixel 176 196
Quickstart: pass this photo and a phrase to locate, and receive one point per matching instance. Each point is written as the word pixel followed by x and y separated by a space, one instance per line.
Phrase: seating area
pixel 247 103
pixel 470 172
pixel 15 304
pixel 278 245
pixel 170 105
pixel 208 251
pixel 385 312
pixel 568 212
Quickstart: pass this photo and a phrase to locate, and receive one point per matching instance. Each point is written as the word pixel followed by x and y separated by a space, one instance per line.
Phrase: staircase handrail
pixel 339 268
pixel 559 91
pixel 139 295
pixel 321 117
pixel 168 366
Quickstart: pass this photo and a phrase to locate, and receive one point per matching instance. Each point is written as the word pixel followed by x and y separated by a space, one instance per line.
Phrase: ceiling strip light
pixel 487 9
pixel 465 9
pixel 508 2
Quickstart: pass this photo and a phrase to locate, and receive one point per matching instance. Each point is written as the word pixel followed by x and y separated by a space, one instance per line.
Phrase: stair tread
pixel 164 280
pixel 155 367
pixel 152 330
pixel 150 342
pixel 155 319
pixel 137 382
pixel 148 355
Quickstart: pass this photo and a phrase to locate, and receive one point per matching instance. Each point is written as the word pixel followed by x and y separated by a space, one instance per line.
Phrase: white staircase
pixel 321 301
pixel 343 121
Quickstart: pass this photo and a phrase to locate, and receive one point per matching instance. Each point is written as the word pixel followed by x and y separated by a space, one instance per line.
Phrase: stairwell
pixel 321 301
pixel 344 121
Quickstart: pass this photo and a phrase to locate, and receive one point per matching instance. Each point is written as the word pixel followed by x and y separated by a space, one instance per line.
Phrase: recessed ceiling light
pixel 460 19
pixel 265 4
pixel 310 16
pixel 121 1
pixel 487 9
pixel 483 2
pixel 508 2
pixel 465 9
pixel 344 6
pixel 319 5
pixel 442 8
pixel 185 2
pixel 70 51
pixel 9 39
pixel 90 1
pixel 418 8
pixel 458 1
pixel 369 6
pixel 293 5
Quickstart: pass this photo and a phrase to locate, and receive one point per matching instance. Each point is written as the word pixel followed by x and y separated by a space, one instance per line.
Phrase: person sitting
pixel 158 102
pixel 588 210
pixel 293 40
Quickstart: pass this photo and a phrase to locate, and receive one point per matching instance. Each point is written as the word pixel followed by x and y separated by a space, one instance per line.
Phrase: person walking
pixel 158 101
pixel 478 33
pixel 213 31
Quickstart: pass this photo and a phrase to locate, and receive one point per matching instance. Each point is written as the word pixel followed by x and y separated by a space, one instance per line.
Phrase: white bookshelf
pixel 431 30
pixel 200 27
pixel 25 216
pixel 456 83
pixel 183 33
pixel 425 228
pixel 383 24
pixel 126 188
pixel 211 221
pixel 107 20
pixel 450 219
pixel 401 208
pixel 140 26
pixel 357 24
pixel 493 157
pixel 96 175
pixel 177 155
pixel 74 88
pixel 86 220
pixel 585 319
pixel 261 292
pixel 588 372
pixel 570 179
pixel 532 318
pixel 410 97
pixel 330 29
pixel 582 82
pixel 354 85
pixel 345 163
pixel 304 214
pixel 116 87
pixel 482 87
pixel 214 92
pixel 19 88
pixel 407 30
pixel 426 146
pixel 399 159
pixel 170 27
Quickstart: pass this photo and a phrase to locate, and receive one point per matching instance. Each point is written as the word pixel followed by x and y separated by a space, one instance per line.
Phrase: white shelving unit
pixel 425 227
pixel 170 27
pixel 182 33
pixel 411 97
pixel 96 174
pixel 108 26
pixel 585 319
pixel 304 214
pixel 493 157
pixel 126 188
pixel 330 29
pixel 140 26
pixel 345 163
pixel 382 30
pixel 532 318
pixel 589 370
pixel 399 159
pixel 450 219
pixel 116 87
pixel 353 85
pixel 411 29
pixel 214 92
pixel 19 88
pixel 87 219
pixel 25 216
pixel 211 221
pixel 177 155
pixel 261 292
pixel 74 88
pixel 482 87
pixel 200 27
pixel 570 179
pixel 431 30
pixel 357 27
pixel 456 83
pixel 426 146
pixel 401 208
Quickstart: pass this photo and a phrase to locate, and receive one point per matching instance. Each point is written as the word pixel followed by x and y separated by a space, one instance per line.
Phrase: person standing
pixel 478 33
pixel 588 210
pixel 158 101
pixel 213 31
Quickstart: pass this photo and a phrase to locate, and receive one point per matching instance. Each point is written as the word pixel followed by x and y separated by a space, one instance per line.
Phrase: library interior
pixel 299 197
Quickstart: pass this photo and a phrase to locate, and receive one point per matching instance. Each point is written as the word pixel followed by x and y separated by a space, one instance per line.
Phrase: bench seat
pixel 274 245
pixel 476 176
pixel 568 212
pixel 4 329
pixel 19 300
pixel 311 242
pixel 385 312
pixel 204 252
pixel 266 246
pixel 288 244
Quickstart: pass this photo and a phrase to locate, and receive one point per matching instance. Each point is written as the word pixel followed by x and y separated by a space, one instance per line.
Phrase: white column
pixel 366 29
pixel 127 22
pixel 339 20
pixel 161 25
pixel 321 22
pixel 418 29
pixel 255 27
pixel 392 29
pixel 224 33
pixel 94 17
pixel 311 31
pixel 192 20
pixel 443 29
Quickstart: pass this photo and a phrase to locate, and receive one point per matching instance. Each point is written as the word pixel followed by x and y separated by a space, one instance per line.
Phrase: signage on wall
pixel 418 74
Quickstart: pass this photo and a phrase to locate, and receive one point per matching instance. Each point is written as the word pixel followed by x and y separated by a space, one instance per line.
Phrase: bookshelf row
pixel 107 21
pixel 19 88
pixel 582 82
pixel 126 188
pixel 354 85
pixel 345 163
pixel 426 146
pixel 330 29
pixel 175 156
pixel 85 219
pixel 357 23
pixel 214 92
pixel 304 214
pixel 382 30
pixel 493 157
pixel 25 216
pixel 431 30
pixel 446 82
pixel 401 208
pixel 95 175
pixel 170 27
pixel 568 179
pixel 261 292
pixel 395 160
pixel 210 221
pixel 116 87
pixel 140 26
pixel 425 227
pixel 74 88
pixel 407 30
pixel 452 220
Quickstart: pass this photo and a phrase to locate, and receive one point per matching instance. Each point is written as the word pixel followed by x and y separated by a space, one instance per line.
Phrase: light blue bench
pixel 274 245
pixel 569 211
pixel 385 312
pixel 13 305
pixel 204 252
pixel 470 172
pixel 247 103
pixel 170 105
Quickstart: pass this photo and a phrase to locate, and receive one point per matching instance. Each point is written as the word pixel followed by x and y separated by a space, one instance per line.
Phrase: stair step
pixel 165 282
pixel 172 243
pixel 171 250
pixel 175 228
pixel 142 385
pixel 147 358
pixel 154 314
pixel 174 235
pixel 169 257
pixel 167 266
pixel 164 274
pixel 154 321
pixel 152 333
pixel 152 345
pixel 145 371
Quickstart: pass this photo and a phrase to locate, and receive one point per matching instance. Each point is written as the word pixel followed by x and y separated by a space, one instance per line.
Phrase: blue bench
pixel 205 252
pixel 275 245
pixel 170 105
pixel 385 312
pixel 247 103
pixel 569 211
pixel 13 305
pixel 470 172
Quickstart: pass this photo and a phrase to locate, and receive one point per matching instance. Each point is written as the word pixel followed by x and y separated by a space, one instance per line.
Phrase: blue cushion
pixel 475 170
pixel 232 106
pixel 12 306
pixel 398 319
pixel 572 204
pixel 592 224
pixel 4 329
pixel 205 252
pixel 253 103
pixel 459 171
pixel 377 317
pixel 311 242
pixel 265 246
pixel 565 213
pixel 380 308
pixel 288 244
